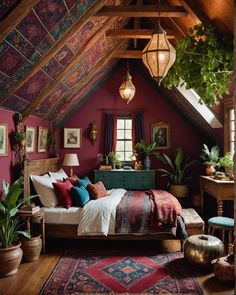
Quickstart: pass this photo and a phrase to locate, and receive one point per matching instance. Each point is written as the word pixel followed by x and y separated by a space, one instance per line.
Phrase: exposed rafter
pixel 43 61
pixel 92 73
pixel 136 33
pixel 131 54
pixel 52 85
pixel 15 17
pixel 137 23
pixel 143 11
pixel 195 11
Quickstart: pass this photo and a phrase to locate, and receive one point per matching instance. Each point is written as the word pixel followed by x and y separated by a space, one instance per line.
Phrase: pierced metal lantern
pixel 127 88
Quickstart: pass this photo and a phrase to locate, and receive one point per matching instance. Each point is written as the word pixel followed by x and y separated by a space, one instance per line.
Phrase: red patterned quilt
pixel 147 212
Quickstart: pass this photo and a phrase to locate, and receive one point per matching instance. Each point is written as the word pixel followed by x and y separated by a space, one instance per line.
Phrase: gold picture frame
pixel 42 139
pixel 72 137
pixel 30 139
pixel 160 133
pixel 3 139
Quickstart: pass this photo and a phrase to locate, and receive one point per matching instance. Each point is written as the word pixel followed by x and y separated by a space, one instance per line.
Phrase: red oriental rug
pixel 78 273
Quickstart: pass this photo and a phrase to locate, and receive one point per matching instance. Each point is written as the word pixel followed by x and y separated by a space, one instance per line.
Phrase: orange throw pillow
pixel 97 190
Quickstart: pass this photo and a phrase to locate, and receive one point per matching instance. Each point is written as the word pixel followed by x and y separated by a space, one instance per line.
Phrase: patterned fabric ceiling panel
pixel 6 6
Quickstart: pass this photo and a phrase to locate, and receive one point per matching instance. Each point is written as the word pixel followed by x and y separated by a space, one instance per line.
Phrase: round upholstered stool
pixel 223 224
pixel 200 250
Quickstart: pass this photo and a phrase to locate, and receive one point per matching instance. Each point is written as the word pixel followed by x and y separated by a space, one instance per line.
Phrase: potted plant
pixel 210 158
pixel 10 251
pixel 177 173
pixel 147 149
pixel 113 158
pixel 227 162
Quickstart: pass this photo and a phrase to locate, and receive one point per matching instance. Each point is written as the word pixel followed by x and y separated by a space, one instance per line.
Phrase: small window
pixel 124 138
pixel 229 126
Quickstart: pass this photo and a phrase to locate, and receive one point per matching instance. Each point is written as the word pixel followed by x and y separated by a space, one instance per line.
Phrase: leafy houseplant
pixel 210 158
pixel 113 158
pixel 204 62
pixel 147 149
pixel 9 228
pixel 227 162
pixel 177 173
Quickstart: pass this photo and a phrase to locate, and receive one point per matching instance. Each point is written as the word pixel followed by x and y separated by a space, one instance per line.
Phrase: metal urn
pixel 200 250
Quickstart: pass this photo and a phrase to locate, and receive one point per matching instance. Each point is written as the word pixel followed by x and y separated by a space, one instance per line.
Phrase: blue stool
pixel 222 224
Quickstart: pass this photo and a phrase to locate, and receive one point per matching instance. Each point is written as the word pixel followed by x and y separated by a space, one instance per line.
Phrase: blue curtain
pixel 110 124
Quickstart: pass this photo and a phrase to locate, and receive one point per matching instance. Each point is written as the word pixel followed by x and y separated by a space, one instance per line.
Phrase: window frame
pixel 228 106
pixel 130 118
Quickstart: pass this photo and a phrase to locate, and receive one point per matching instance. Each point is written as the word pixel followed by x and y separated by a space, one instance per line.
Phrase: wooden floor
pixel 31 276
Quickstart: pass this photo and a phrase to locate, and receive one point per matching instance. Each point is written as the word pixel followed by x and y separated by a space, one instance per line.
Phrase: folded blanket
pixel 167 207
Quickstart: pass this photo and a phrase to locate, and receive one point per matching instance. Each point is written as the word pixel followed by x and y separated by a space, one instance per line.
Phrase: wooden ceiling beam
pixel 143 11
pixel 131 54
pixel 195 11
pixel 45 59
pixel 137 23
pixel 53 84
pixel 15 17
pixel 91 74
pixel 136 33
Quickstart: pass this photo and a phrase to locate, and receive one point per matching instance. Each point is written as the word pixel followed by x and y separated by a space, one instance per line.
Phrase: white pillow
pixel 59 175
pixel 44 188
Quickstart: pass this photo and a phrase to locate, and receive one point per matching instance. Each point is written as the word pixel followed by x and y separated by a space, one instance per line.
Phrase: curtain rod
pixel 122 110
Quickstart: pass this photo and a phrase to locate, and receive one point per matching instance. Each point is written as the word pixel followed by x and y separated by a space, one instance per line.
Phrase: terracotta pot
pixel 229 172
pixel 210 169
pixel 179 191
pixel 31 248
pixel 223 268
pixel 10 259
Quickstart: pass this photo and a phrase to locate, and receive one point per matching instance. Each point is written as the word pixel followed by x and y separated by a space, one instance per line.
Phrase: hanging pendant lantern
pixel 127 88
pixel 159 55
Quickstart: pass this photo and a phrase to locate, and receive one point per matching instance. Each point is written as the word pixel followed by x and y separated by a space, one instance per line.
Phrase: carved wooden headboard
pixel 38 167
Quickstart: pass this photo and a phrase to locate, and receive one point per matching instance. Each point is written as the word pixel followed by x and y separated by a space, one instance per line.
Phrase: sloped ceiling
pixel 53 52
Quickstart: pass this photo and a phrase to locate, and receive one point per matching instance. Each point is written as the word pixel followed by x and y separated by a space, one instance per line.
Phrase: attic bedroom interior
pixel 117 141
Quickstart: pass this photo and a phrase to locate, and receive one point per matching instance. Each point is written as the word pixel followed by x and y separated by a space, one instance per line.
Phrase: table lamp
pixel 71 160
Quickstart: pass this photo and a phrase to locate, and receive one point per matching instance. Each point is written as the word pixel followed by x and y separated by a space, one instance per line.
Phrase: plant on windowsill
pixel 177 173
pixel 147 149
pixel 204 62
pixel 113 158
pixel 227 162
pixel 210 158
pixel 10 251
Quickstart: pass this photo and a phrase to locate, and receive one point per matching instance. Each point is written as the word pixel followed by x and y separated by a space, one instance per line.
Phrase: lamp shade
pixel 127 88
pixel 70 160
pixel 159 55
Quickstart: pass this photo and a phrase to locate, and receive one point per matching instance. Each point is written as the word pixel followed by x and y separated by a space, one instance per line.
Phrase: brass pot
pixel 179 191
pixel 210 169
pixel 200 250
pixel 10 259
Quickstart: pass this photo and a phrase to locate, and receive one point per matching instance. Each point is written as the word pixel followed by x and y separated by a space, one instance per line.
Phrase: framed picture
pixel 42 139
pixel 160 133
pixel 72 137
pixel 30 139
pixel 3 139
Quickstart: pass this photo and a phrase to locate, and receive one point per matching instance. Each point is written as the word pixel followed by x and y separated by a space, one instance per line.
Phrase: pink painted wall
pixel 6 162
pixel 147 97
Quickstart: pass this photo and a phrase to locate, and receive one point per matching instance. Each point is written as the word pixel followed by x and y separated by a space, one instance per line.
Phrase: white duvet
pixel 98 217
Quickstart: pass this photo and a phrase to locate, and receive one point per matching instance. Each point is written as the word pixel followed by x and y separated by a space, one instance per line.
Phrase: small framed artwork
pixel 42 139
pixel 72 137
pixel 160 133
pixel 3 139
pixel 30 139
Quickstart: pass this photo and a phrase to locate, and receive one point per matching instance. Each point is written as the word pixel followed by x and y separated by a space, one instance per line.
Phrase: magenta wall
pixel 6 162
pixel 147 97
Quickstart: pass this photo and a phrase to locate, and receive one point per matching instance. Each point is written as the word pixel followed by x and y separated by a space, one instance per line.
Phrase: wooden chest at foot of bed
pixel 193 222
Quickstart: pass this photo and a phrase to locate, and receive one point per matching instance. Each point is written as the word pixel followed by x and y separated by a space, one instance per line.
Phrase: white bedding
pixel 97 217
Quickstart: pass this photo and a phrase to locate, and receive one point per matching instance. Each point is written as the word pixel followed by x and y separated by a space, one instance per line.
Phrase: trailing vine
pixel 204 62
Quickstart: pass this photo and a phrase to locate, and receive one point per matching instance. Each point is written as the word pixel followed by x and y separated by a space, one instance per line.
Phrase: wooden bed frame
pixel 42 166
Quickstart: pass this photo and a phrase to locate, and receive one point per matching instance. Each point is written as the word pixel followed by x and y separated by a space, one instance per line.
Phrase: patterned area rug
pixel 76 273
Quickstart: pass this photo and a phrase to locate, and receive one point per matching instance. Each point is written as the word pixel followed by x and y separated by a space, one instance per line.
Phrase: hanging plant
pixel 204 63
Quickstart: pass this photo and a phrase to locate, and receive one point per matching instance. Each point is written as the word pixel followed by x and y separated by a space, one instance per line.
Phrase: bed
pixel 68 228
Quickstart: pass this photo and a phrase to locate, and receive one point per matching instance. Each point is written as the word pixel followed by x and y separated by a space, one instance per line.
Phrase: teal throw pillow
pixel 83 181
pixel 79 195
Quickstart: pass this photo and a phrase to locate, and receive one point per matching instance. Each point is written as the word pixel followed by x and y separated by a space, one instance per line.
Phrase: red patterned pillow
pixel 72 180
pixel 97 190
pixel 62 190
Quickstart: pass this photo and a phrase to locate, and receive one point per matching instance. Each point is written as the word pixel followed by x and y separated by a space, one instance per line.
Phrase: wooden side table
pixel 29 217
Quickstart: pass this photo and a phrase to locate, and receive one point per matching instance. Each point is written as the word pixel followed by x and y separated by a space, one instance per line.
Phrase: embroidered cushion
pixel 97 190
pixel 62 190
pixel 80 196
